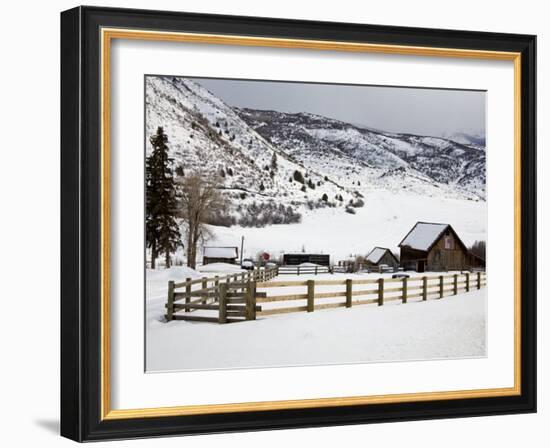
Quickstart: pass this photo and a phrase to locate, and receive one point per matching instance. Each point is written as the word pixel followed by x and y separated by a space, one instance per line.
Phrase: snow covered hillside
pixel 207 136
pixel 349 151
pixel 257 153
pixel 303 181
pixel 467 138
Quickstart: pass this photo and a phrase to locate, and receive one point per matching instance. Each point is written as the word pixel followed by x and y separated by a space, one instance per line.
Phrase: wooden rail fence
pixel 230 296
pixel 380 290
pixel 303 270
pixel 236 297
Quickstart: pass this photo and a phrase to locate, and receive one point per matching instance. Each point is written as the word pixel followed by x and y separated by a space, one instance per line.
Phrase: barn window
pixel 448 241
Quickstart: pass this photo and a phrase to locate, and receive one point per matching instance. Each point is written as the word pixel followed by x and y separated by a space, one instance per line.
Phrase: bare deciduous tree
pixel 200 197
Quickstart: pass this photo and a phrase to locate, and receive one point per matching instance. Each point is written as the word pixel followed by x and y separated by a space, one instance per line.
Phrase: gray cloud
pixel 436 112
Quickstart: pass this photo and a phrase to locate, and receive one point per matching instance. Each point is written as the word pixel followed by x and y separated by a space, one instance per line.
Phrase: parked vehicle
pixel 400 275
pixel 247 264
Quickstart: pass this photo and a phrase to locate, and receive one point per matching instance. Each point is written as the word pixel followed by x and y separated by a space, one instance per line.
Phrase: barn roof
pixel 425 234
pixel 376 254
pixel 308 254
pixel 220 252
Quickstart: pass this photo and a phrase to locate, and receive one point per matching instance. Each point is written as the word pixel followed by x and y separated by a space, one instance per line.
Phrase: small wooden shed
pixel 381 255
pixel 299 258
pixel 436 247
pixel 220 255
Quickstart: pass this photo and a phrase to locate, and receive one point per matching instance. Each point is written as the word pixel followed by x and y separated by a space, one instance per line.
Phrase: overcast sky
pixel 433 112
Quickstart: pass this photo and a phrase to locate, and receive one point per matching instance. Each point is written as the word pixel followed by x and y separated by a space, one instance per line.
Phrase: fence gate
pixel 237 302
pixel 234 302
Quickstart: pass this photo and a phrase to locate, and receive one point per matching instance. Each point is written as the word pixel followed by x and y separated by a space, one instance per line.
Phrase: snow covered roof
pixel 376 254
pixel 423 235
pixel 220 252
pixel 223 268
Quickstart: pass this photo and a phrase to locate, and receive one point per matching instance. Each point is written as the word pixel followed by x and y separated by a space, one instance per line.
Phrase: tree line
pixel 479 249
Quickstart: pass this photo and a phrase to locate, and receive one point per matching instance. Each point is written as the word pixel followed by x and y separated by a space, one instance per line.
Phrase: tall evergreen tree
pixel 298 176
pixel 161 228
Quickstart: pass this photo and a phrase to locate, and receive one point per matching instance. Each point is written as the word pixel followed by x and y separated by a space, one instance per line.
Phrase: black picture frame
pixel 81 224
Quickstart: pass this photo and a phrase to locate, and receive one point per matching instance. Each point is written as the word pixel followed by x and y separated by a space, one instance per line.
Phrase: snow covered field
pixel 448 328
pixel 383 221
pixel 333 188
pixel 453 327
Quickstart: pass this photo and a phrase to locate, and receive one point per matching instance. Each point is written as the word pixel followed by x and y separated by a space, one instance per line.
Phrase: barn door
pixel 420 266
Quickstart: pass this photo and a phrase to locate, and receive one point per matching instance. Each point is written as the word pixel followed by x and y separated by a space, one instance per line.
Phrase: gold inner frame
pixel 107 35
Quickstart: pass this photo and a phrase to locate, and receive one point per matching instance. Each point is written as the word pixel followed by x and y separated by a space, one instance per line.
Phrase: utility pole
pixel 242 246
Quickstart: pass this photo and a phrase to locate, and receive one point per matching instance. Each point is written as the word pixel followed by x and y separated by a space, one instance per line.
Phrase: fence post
pixel 349 285
pixel 404 294
pixel 236 280
pixel 380 291
pixel 187 294
pixel 440 286
pixel 298 270
pixel 251 301
pixel 310 295
pixel 455 284
pixel 217 287
pixel 478 280
pixel 467 282
pixel 424 288
pixel 204 285
pixel 170 307
pixel 222 317
pixel 315 270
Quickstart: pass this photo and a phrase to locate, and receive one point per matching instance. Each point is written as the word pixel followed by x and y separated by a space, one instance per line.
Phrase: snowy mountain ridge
pixel 444 161
pixel 205 135
pixel 295 161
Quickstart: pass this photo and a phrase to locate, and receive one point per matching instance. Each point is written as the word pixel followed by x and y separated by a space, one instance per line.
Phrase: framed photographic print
pixel 272 223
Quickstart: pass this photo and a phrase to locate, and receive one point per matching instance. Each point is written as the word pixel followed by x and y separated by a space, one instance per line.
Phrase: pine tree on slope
pixel 161 228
